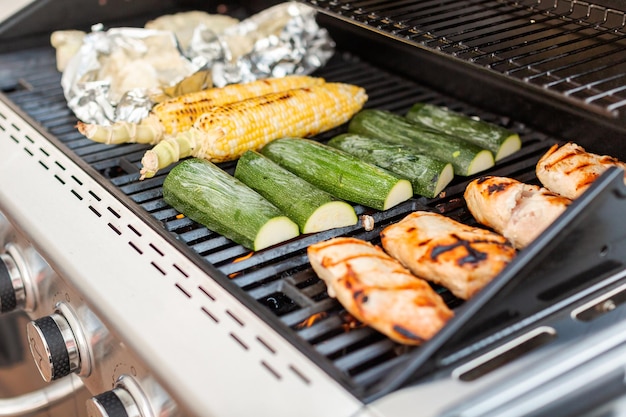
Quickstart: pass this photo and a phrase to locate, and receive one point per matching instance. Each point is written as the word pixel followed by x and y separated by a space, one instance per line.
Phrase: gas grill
pixel 168 318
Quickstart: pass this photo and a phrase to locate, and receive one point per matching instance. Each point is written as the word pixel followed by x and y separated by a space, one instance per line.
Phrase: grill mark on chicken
pixel 495 188
pixel 473 256
pixel 360 296
pixel 563 158
pixel 327 262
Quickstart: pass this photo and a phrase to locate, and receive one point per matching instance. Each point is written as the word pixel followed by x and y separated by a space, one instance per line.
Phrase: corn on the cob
pixel 178 114
pixel 226 132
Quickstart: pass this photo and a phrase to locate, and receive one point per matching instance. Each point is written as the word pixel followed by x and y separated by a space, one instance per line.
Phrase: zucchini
pixel 502 142
pixel 339 173
pixel 206 194
pixel 429 176
pixel 466 158
pixel 312 209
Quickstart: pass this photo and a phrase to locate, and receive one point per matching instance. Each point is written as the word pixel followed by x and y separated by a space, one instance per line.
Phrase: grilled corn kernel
pixel 178 114
pixel 226 132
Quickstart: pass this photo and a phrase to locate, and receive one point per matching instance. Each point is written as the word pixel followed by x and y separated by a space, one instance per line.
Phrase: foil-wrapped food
pixel 119 74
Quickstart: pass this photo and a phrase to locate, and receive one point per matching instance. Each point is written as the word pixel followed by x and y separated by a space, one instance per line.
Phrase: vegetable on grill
pixel 500 141
pixel 429 176
pixel 378 290
pixel 178 114
pixel 466 158
pixel 339 173
pixel 210 196
pixel 226 132
pixel 312 209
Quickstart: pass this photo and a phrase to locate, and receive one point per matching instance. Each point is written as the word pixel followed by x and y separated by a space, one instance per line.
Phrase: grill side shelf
pixel 585 245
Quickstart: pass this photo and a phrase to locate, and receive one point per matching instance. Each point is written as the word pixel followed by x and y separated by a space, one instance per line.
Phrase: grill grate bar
pixel 493 28
pixel 524 59
pixel 498 46
pixel 571 51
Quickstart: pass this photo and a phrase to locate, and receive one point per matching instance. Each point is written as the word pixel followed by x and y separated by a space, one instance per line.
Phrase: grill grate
pixel 279 278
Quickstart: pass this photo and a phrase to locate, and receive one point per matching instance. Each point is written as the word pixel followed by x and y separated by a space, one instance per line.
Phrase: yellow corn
pixel 226 132
pixel 178 114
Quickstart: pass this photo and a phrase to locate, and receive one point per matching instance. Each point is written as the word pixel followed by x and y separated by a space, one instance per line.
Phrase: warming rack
pixel 558 65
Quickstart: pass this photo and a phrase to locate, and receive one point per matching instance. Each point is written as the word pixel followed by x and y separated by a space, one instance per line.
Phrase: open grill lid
pixel 278 283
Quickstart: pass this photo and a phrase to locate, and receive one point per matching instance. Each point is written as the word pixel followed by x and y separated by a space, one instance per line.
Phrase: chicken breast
pixel 459 257
pixel 569 170
pixel 378 291
pixel 518 211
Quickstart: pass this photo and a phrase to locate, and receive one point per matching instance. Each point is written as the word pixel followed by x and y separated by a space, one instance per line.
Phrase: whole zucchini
pixel 206 194
pixel 502 142
pixel 339 173
pixel 312 209
pixel 466 158
pixel 429 176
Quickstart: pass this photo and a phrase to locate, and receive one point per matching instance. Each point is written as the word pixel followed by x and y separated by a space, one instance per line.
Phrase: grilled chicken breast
pixel 459 257
pixel 378 291
pixel 569 170
pixel 518 211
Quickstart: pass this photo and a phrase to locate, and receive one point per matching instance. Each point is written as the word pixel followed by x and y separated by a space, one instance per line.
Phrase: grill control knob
pixel 12 290
pixel 129 399
pixel 115 403
pixel 53 346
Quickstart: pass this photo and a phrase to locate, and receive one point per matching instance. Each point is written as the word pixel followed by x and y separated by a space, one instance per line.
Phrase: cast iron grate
pixel 570 48
pixel 279 278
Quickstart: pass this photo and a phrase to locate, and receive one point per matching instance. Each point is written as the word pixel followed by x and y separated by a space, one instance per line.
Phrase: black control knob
pixel 53 346
pixel 12 292
pixel 115 403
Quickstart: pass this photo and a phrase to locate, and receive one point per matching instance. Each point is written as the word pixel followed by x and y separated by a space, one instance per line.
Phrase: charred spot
pixel 496 188
pixel 473 256
pixel 360 295
pixel 350 277
pixel 480 180
pixel 425 242
pixel 406 333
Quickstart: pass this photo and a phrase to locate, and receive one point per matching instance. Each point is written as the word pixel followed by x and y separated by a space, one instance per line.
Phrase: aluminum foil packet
pixel 281 40
pixel 115 72
pixel 119 74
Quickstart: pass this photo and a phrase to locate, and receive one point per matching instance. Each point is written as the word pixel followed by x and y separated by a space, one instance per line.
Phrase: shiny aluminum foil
pixel 141 64
pixel 114 73
pixel 284 39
